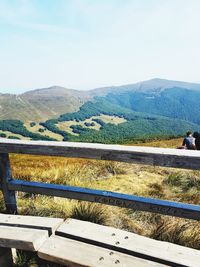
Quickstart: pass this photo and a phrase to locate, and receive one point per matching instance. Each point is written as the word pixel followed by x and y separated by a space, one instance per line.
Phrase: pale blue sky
pixel 84 44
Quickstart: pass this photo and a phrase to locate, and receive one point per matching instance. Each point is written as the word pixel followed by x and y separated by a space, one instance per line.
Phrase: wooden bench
pixel 73 253
pixel 129 243
pixel 80 243
pixel 25 233
pixel 83 244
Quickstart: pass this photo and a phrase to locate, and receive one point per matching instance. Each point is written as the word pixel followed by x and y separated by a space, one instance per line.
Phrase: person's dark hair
pixel 188 133
pixel 196 135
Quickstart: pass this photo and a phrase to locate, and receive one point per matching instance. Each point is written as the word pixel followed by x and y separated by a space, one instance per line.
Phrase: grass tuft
pixel 147 181
pixel 185 181
pixel 178 231
pixel 91 212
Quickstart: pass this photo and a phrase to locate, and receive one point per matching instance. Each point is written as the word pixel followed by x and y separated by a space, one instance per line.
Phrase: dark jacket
pixel 197 143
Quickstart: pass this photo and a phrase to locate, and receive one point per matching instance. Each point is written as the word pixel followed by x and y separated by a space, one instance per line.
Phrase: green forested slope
pixel 16 126
pixel 139 126
pixel 155 108
pixel 173 102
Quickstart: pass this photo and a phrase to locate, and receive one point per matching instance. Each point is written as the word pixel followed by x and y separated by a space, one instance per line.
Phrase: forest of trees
pixel 16 126
pixel 138 126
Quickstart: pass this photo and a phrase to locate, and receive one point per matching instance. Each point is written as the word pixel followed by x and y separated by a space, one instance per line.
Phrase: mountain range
pixel 116 114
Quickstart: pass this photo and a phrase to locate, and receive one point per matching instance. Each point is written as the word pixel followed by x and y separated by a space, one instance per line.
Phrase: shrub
pixel 13 137
pixel 3 135
pixel 32 124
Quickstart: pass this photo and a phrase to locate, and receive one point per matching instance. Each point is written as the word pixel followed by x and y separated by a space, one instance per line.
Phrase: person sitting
pixel 196 135
pixel 189 141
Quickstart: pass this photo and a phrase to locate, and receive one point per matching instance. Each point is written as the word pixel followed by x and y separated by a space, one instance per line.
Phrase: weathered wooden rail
pixel 72 243
pixel 142 155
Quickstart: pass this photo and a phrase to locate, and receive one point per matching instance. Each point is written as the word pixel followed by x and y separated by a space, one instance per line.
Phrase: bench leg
pixel 6 257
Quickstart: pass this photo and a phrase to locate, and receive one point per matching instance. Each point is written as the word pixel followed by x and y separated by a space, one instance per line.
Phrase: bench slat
pixel 74 253
pixel 33 222
pixel 129 243
pixel 22 238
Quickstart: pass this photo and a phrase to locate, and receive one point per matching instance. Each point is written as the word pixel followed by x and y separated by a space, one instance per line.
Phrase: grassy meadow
pixel 66 125
pixel 170 143
pixel 148 181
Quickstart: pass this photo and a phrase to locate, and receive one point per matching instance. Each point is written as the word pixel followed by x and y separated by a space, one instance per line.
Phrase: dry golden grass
pixel 66 126
pixel 148 181
pixel 110 119
pixel 185 233
pixel 171 143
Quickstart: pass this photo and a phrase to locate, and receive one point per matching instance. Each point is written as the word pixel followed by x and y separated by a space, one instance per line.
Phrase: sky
pixel 85 44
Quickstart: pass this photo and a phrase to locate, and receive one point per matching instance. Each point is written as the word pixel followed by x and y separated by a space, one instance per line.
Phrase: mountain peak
pixel 165 83
pixel 53 90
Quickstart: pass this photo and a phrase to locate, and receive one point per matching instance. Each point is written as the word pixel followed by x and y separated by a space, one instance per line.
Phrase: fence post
pixel 6 257
pixel 5 177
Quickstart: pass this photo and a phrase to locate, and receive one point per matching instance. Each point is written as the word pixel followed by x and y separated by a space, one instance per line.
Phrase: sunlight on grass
pixel 133 179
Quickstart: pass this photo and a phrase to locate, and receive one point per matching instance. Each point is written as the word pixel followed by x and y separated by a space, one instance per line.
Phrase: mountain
pixel 116 114
pixel 161 97
pixel 41 104
pixel 153 85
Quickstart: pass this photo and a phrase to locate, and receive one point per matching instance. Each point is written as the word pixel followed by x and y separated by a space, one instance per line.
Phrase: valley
pixel 152 113
pixel 148 110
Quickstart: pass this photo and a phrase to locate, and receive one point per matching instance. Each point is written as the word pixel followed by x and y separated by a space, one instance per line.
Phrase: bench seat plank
pixel 22 238
pixel 129 243
pixel 73 253
pixel 50 224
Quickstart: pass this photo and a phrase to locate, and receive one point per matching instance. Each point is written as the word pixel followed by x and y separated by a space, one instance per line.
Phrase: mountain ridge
pixel 147 109
pixel 147 84
pixel 51 102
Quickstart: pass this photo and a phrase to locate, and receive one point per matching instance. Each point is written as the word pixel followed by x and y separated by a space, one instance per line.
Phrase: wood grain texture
pixel 5 177
pixel 22 238
pixel 129 243
pixel 110 198
pixel 177 158
pixel 77 254
pixel 32 222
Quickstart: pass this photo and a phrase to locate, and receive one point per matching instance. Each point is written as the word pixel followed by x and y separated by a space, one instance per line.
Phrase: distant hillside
pixel 41 104
pixel 175 102
pixel 136 125
pixel 145 110
pixel 148 96
pixel 153 85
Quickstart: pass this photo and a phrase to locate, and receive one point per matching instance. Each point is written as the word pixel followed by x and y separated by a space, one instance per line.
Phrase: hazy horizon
pixel 24 90
pixel 88 44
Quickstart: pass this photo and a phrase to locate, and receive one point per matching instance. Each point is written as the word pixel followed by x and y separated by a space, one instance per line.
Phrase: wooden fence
pixel 140 155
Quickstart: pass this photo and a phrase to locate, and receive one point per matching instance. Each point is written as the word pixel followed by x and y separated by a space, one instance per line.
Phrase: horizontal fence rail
pixel 178 158
pixel 143 155
pixel 109 198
